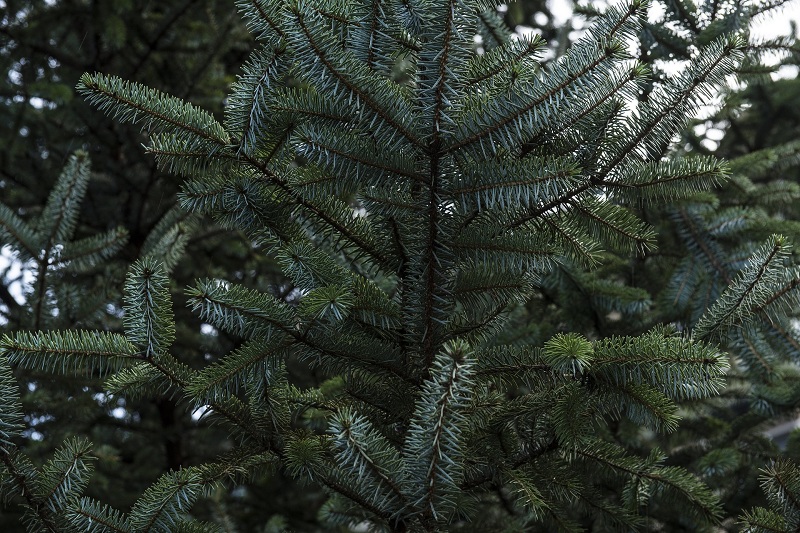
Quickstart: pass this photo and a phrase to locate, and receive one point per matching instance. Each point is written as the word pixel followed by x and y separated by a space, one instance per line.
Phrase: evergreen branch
pixel 354 77
pixel 329 10
pixel 239 465
pixel 363 451
pixel 153 377
pixel 241 311
pixel 350 493
pixel 259 11
pixel 765 6
pixel 751 289
pixel 85 254
pixel 613 92
pixel 729 222
pixel 11 418
pixel 717 60
pixel 374 306
pixel 338 511
pixel 69 352
pixel 245 425
pixel 749 343
pixel 22 475
pixel 350 155
pixel 612 516
pixel 645 406
pixel 568 354
pixel 306 455
pixel 521 251
pixel 321 213
pixel 759 164
pixel 725 53
pixel 781 483
pixel 330 304
pixel 761 520
pixel 15 232
pixel 244 202
pixel 788 288
pixel 90 516
pixel 314 183
pixel 432 451
pixel 162 505
pixel 249 107
pixel 149 321
pixel 527 455
pixel 609 296
pixel 310 267
pixel 65 475
pixel 372 357
pixel 505 57
pixel 176 155
pixel 552 205
pixel 131 102
pixel 57 222
pixel 375 34
pixel 528 495
pixel 504 185
pixel 312 105
pixel 40 292
pixel 236 309
pixel 476 287
pixel 614 224
pixel 680 368
pixel 509 364
pixel 774 328
pixel 691 227
pixel 619 21
pixel 473 329
pixel 677 480
pixel 666 180
pixel 254 362
pixel 522 111
pixel 579 248
pixel 493 27
pixel 167 241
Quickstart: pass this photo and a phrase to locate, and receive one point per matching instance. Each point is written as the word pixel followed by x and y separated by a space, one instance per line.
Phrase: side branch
pixel 373 105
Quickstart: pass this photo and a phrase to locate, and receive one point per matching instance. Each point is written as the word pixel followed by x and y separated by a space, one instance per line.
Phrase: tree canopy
pixel 413 272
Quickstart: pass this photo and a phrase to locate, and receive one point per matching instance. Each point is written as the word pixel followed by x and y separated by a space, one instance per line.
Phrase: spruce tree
pixel 427 204
pixel 706 240
pixel 725 440
pixel 187 48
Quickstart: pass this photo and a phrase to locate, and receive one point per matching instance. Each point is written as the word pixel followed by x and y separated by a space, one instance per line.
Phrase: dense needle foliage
pixel 436 211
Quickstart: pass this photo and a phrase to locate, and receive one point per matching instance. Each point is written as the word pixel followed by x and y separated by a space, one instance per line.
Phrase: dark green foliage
pixel 724 272
pixel 46 491
pixel 48 242
pixel 781 484
pixel 453 228
pixel 188 48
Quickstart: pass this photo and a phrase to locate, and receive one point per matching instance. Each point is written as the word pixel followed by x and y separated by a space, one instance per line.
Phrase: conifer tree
pixel 427 204
pixel 188 48
pixel 706 240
